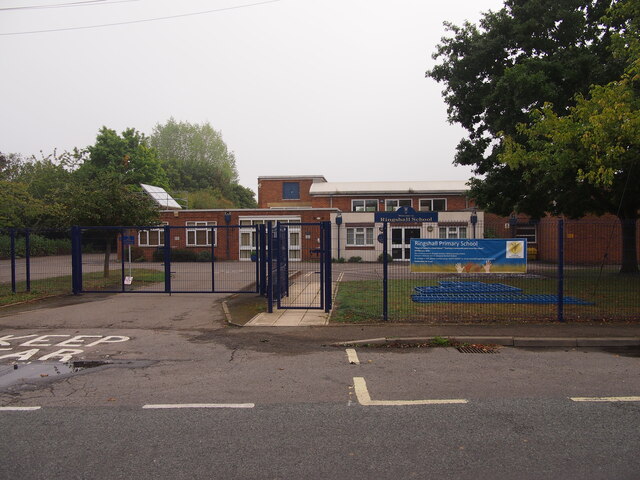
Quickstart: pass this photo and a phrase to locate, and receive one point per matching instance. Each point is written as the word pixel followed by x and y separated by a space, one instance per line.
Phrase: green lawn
pixel 616 298
pixel 62 285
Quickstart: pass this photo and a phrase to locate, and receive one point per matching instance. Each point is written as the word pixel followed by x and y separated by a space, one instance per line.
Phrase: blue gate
pixel 161 259
pixel 299 266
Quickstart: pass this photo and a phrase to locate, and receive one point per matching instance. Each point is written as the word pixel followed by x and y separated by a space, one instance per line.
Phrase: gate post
pixel 27 257
pixel 12 236
pixel 167 259
pixel 76 260
pixel 262 259
pixel 326 252
pixel 561 270
pixel 269 262
pixel 385 273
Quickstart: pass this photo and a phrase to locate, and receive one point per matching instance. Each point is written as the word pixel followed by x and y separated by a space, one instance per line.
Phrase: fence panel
pixel 41 263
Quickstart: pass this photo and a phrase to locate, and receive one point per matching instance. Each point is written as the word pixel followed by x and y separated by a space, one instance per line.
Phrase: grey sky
pixel 331 87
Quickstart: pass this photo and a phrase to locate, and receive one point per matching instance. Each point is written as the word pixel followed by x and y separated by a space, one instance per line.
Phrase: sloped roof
pixel 160 196
pixel 364 188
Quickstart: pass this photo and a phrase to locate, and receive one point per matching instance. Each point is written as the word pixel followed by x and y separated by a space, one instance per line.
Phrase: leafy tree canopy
pixel 194 155
pixel 128 155
pixel 528 53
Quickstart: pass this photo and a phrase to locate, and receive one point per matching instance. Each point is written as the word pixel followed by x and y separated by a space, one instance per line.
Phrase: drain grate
pixel 477 349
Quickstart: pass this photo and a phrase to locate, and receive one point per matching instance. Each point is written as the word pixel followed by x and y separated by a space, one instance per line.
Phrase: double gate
pixel 288 263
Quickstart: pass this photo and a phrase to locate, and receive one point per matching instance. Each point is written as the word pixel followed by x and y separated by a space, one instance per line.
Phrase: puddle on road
pixel 21 372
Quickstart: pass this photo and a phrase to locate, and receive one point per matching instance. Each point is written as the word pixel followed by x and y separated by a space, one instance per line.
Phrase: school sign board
pixel 486 255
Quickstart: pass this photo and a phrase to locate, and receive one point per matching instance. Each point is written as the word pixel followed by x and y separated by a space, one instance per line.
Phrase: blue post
pixel 76 260
pixel 326 251
pixel 122 249
pixel 262 258
pixel 270 268
pixel 12 236
pixel 257 237
pixel 27 257
pixel 213 256
pixel 167 259
pixel 561 270
pixel 385 274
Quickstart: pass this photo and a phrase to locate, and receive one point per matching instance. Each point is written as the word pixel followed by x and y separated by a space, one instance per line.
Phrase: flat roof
pixel 319 178
pixel 389 188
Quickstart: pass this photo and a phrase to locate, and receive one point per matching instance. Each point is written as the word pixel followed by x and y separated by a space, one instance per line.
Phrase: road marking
pixel 352 356
pixel 199 405
pixel 605 399
pixel 364 398
pixel 18 409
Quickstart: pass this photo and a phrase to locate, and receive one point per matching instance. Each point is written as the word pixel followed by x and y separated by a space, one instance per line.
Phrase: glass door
pixel 401 242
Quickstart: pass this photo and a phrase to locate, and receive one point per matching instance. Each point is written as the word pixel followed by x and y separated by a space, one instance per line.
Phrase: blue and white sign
pixel 406 215
pixel 487 255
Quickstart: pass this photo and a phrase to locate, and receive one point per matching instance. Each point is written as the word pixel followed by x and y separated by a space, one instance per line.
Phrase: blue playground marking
pixel 480 292
pixel 467 287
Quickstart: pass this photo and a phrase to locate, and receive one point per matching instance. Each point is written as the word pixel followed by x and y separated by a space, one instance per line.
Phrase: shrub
pixel 40 246
pixel 381 258
pixel 354 259
pixel 204 256
pixel 338 260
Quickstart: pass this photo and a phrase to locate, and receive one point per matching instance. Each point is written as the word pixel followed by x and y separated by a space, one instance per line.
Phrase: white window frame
pixel 157 232
pixel 364 207
pixel 247 225
pixel 453 231
pixel 431 200
pixel 195 227
pixel 366 233
pixel 397 203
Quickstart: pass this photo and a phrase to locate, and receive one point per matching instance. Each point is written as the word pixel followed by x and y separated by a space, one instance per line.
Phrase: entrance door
pixel 401 241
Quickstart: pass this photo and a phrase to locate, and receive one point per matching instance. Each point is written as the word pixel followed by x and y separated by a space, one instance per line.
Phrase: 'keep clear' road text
pixel 66 349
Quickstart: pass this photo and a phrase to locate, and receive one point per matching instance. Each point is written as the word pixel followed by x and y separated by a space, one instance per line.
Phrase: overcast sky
pixel 322 87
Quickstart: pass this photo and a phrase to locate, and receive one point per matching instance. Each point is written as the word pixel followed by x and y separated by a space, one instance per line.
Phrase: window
pixel 248 235
pixel 359 236
pixel 291 190
pixel 433 204
pixel 393 205
pixel 453 232
pixel 201 237
pixel 526 231
pixel 370 205
pixel 151 238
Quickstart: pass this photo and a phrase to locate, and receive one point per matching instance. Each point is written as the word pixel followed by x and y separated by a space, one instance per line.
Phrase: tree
pixel 106 200
pixel 596 146
pixel 106 188
pixel 128 155
pixel 194 155
pixel 528 53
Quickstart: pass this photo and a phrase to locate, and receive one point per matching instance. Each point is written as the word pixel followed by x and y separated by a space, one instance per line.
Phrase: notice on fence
pixel 464 255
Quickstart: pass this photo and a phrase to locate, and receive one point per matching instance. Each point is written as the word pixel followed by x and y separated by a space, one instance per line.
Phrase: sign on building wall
pixel 468 255
pixel 405 215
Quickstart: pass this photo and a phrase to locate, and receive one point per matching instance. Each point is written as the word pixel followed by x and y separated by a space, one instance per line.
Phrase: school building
pixel 351 209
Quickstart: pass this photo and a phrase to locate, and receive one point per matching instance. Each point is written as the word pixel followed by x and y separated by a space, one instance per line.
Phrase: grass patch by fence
pixel 62 285
pixel 615 296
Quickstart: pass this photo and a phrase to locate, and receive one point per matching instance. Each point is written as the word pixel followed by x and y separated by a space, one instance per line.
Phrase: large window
pixel 153 237
pixel 359 236
pixel 453 232
pixel 526 231
pixel 394 204
pixel 433 204
pixel 248 235
pixel 291 190
pixel 368 205
pixel 201 234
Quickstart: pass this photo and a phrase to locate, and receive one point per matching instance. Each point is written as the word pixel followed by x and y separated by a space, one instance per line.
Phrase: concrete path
pixel 301 293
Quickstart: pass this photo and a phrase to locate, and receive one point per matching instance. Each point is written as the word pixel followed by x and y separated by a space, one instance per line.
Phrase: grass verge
pixel 62 285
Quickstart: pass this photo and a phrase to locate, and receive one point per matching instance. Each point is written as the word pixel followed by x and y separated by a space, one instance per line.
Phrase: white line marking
pixel 18 409
pixel 352 356
pixel 605 399
pixel 199 405
pixel 365 399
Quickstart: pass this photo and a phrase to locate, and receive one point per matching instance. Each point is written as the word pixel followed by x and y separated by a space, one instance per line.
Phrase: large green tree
pixel 497 72
pixel 128 155
pixel 196 158
pixel 595 147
